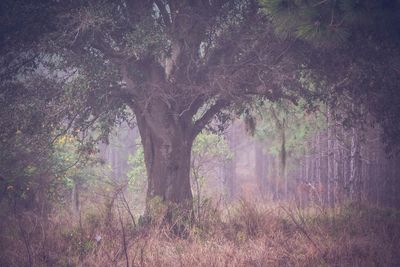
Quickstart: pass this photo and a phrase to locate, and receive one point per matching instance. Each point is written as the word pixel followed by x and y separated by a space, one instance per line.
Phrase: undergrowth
pixel 245 234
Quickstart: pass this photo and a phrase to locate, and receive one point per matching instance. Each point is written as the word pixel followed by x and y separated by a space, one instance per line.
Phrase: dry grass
pixel 243 235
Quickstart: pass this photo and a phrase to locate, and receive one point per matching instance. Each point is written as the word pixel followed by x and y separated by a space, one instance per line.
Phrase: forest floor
pixel 243 235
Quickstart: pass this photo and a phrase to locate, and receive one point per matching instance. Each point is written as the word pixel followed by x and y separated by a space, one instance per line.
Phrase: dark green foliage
pixel 333 22
pixel 352 55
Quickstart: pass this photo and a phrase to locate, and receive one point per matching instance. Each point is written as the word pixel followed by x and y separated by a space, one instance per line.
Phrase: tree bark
pixel 331 164
pixel 167 144
pixel 168 166
pixel 230 165
pixel 355 164
pixel 339 166
pixel 260 162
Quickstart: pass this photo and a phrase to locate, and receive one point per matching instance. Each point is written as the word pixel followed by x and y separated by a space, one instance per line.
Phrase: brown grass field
pixel 246 234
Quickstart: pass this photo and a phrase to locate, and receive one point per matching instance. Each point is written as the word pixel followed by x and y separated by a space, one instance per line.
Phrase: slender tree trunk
pixel 274 178
pixel 76 205
pixel 355 165
pixel 266 184
pixel 283 159
pixel 339 183
pixel 273 175
pixel 325 168
pixel 230 165
pixel 320 168
pixel 260 167
pixel 331 166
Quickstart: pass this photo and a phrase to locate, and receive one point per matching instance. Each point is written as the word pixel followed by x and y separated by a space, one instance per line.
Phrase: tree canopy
pixel 178 67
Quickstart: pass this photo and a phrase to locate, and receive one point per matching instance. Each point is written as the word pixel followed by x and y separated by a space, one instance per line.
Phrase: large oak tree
pixel 181 66
pixel 177 65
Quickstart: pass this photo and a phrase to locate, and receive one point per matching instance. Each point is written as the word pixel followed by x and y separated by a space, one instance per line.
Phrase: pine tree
pixel 332 22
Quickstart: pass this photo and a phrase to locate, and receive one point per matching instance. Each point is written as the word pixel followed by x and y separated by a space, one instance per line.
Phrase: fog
pixel 199 133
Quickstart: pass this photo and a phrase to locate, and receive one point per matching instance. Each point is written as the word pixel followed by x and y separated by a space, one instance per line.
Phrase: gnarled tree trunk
pixel 167 142
pixel 167 161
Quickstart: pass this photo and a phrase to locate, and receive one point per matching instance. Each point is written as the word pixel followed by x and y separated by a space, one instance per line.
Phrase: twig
pixel 24 237
pixel 123 238
pixel 126 205
pixel 305 233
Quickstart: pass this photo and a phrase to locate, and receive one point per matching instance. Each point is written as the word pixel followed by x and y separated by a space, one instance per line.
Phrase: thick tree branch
pixel 100 44
pixel 164 13
pixel 208 115
pixel 129 82
pixel 193 107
